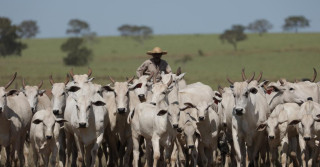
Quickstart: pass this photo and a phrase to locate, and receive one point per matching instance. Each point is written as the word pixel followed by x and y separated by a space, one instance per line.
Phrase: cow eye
pixel 246 94
pixel 164 93
pixel 291 89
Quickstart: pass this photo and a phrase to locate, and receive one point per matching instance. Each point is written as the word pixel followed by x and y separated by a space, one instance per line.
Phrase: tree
pixel 138 33
pixel 78 27
pixel 295 22
pixel 234 35
pixel 78 55
pixel 260 26
pixel 9 39
pixel 28 29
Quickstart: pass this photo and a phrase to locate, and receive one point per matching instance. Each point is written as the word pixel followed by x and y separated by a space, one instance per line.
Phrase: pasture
pixel 277 55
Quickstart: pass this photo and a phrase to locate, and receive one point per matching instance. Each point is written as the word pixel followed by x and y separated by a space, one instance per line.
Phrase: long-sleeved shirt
pixel 149 66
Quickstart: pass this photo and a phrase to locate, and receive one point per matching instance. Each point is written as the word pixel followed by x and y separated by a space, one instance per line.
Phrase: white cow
pixel 309 132
pixel 118 100
pixel 44 137
pixel 15 117
pixel 251 109
pixel 199 97
pixel 152 121
pixel 87 118
pixel 37 98
pixel 282 134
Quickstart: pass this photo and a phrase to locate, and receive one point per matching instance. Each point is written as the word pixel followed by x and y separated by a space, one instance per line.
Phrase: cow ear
pixel 253 90
pixel 73 89
pixel 99 103
pixel 162 112
pixel 90 79
pixel 108 88
pixel 37 121
pixel 13 92
pixel 135 86
pixel 189 105
pixel 261 127
pixel 179 77
pixel 41 92
pixel 294 122
pixel 60 120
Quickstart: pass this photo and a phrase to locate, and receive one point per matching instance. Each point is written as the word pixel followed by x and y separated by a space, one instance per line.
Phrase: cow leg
pixel 45 157
pixel 62 147
pixel 35 156
pixel 174 155
pixel 148 154
pixel 135 141
pixel 156 149
pixel 236 144
pixel 80 148
pixel 294 151
pixel 54 154
pixel 95 148
pixel 87 155
pixel 8 152
pixel 112 143
pixel 303 148
pixel 128 152
pixel 284 148
pixel 100 155
pixel 26 153
pixel 105 151
pixel 203 156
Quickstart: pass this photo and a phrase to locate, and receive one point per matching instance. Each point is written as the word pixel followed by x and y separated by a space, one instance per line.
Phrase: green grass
pixel 277 55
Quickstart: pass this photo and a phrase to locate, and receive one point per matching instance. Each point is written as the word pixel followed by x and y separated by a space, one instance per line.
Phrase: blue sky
pixel 165 16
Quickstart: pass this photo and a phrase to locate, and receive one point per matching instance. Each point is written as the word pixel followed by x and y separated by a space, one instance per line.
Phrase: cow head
pixel 191 133
pixel 50 124
pixel 142 86
pixel 241 92
pixel 271 125
pixel 4 94
pixel 121 93
pixel 80 79
pixel 84 108
pixel 32 93
pixel 59 96
pixel 226 103
pixel 160 91
pixel 202 108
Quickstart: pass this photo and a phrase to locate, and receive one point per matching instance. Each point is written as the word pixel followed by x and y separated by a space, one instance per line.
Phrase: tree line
pixel 79 54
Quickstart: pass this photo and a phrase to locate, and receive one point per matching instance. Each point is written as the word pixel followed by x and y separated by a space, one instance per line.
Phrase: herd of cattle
pixel 159 120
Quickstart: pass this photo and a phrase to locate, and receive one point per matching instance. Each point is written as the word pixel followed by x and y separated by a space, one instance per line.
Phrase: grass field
pixel 277 55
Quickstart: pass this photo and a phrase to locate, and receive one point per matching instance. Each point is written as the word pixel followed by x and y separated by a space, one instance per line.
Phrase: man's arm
pixel 141 69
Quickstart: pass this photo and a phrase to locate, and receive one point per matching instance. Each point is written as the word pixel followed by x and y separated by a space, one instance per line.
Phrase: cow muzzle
pixel 201 118
pixel 142 98
pixel 239 111
pixel 56 112
pixel 307 138
pixel 121 110
pixel 48 137
pixel 82 125
pixel 175 126
pixel 271 137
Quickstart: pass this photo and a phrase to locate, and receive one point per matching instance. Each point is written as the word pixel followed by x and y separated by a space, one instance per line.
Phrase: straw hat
pixel 156 50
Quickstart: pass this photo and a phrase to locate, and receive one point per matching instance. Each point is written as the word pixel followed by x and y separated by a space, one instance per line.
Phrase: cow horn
pixel 150 76
pixel 281 81
pixel 178 71
pixel 265 87
pixel 113 81
pixel 243 75
pixel 89 72
pixel 10 82
pixel 23 83
pixel 314 75
pixel 251 77
pixel 40 84
pixel 67 79
pixel 260 76
pixel 71 72
pixel 220 89
pixel 230 81
pixel 51 80
pixel 170 81
pixel 130 80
